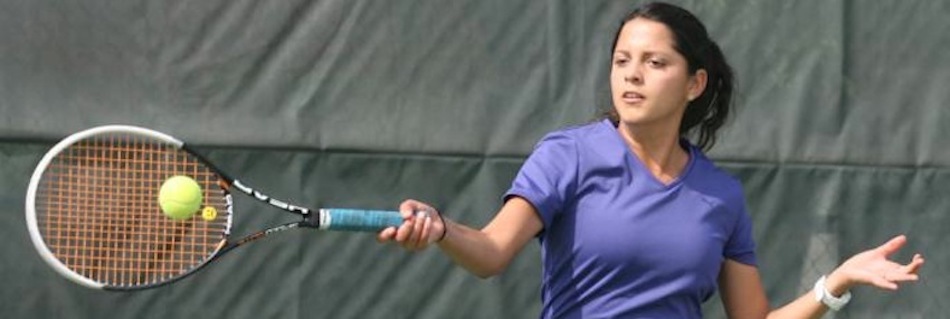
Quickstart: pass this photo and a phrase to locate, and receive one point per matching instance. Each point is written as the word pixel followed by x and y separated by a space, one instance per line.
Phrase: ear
pixel 696 85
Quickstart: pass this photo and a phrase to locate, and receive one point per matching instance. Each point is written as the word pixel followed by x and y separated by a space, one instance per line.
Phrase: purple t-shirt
pixel 619 243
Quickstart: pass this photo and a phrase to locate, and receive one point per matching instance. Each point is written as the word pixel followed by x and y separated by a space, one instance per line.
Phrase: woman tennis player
pixel 634 221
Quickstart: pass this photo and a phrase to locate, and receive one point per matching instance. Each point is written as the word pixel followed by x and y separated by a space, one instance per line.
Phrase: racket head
pixel 93 215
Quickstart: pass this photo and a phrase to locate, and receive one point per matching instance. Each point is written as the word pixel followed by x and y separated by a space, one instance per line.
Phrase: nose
pixel 634 77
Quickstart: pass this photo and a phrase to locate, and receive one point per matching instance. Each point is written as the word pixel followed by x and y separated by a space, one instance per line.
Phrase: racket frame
pixel 31 221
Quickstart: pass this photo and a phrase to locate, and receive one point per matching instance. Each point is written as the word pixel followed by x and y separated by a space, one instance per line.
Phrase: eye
pixel 656 63
pixel 621 61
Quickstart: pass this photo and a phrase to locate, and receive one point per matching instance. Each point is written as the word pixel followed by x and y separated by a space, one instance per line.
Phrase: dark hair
pixel 708 112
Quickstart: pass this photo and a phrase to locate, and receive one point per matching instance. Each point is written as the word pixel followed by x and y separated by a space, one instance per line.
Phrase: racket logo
pixel 259 235
pixel 288 207
pixel 264 198
pixel 228 205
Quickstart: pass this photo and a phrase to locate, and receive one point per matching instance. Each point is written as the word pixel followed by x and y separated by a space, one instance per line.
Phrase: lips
pixel 632 97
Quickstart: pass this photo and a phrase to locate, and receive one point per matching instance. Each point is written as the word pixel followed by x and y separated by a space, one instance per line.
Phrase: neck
pixel 658 149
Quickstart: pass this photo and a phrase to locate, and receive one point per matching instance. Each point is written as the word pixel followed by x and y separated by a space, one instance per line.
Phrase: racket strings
pixel 98 211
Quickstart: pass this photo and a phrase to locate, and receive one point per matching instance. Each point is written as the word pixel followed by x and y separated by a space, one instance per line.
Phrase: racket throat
pixel 310 220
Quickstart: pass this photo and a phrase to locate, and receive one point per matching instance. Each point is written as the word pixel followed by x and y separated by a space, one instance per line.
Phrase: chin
pixel 631 118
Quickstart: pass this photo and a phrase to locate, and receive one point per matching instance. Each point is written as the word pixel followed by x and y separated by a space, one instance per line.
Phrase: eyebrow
pixel 647 53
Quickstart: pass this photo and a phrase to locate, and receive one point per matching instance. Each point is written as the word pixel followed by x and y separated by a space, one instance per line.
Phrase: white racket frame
pixel 31 221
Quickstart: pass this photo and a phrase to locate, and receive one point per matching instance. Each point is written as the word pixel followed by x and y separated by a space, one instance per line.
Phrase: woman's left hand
pixel 872 267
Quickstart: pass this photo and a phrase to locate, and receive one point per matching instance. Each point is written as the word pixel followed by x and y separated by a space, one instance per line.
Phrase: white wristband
pixel 825 297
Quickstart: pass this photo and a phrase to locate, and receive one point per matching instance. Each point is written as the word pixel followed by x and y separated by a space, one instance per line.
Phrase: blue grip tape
pixel 343 219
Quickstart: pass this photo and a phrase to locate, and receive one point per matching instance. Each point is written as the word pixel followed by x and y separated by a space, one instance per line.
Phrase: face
pixel 649 80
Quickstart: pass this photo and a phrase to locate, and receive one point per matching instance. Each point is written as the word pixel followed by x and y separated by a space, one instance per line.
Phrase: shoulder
pixel 576 132
pixel 581 138
pixel 711 180
pixel 569 150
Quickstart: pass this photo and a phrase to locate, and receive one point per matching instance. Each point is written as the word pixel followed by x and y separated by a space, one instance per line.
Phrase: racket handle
pixel 343 219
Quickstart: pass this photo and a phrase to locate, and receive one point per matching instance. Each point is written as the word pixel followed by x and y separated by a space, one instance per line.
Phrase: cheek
pixel 616 86
pixel 675 87
pixel 615 80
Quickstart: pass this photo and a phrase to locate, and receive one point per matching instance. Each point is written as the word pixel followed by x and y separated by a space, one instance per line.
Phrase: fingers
pixel 410 231
pixel 884 283
pixel 901 273
pixel 909 271
pixel 386 234
pixel 425 236
pixel 914 266
pixel 415 231
pixel 417 239
pixel 408 208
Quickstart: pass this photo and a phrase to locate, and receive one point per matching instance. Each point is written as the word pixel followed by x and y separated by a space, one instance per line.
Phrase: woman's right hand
pixel 422 225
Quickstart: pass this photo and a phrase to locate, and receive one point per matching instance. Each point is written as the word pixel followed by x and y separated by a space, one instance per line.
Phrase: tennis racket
pixel 93 214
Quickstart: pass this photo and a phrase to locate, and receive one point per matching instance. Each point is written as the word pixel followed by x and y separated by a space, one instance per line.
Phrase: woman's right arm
pixel 486 252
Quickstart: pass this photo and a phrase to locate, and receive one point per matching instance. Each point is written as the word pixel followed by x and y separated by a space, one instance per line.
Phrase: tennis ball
pixel 179 197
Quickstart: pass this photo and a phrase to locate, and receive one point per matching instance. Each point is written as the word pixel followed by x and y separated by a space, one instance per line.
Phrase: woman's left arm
pixel 740 289
pixel 744 297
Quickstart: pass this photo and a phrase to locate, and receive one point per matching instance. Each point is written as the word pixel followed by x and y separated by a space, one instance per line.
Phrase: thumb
pixel 893 245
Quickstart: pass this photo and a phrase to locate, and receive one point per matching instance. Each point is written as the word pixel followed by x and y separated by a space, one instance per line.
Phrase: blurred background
pixel 838 136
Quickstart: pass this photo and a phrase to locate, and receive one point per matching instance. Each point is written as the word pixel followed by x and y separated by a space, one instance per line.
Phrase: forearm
pixel 487 252
pixel 484 252
pixel 474 250
pixel 807 306
pixel 803 307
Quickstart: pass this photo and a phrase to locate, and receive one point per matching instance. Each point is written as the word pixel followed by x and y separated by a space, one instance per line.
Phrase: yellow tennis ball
pixel 180 197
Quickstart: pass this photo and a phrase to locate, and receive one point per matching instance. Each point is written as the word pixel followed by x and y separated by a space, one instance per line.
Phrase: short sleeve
pixel 741 246
pixel 548 177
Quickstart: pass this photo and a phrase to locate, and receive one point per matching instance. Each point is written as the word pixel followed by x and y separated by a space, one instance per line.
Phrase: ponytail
pixel 708 112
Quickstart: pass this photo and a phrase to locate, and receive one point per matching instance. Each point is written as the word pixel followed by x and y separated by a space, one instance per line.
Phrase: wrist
pixel 445 229
pixel 834 301
pixel 837 284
